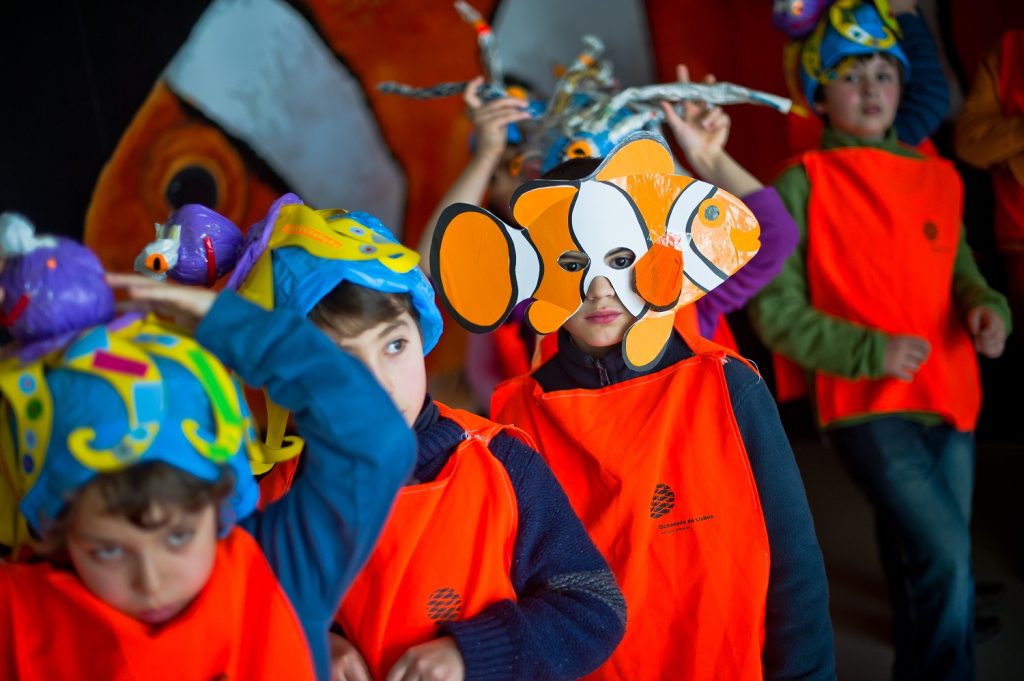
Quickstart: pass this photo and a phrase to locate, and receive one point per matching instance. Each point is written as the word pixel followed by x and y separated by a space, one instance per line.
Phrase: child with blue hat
pixel 483 568
pixel 126 454
pixel 884 306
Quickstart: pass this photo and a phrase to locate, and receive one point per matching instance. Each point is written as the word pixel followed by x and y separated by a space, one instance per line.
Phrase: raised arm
pixel 359 451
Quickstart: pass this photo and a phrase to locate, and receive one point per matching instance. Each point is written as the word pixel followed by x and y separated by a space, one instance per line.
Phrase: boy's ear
pixel 482 267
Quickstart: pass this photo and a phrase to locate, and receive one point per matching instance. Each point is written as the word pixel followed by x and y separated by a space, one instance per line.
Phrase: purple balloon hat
pixel 52 288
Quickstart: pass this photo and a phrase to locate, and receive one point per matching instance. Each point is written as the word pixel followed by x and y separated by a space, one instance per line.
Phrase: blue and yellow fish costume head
pixel 297 255
pixel 848 28
pixel 114 398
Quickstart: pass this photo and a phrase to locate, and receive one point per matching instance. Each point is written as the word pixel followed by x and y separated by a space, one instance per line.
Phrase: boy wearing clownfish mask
pixel 670 449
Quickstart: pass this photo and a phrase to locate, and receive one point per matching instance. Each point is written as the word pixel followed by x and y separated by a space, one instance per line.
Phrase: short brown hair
pixel 350 309
pixel 137 493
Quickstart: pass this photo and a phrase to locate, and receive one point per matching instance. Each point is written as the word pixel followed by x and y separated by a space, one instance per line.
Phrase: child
pixel 679 467
pixel 483 568
pixel 884 303
pixel 128 452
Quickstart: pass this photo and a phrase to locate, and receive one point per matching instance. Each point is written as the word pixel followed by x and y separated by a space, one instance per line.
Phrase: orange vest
pixel 444 554
pixel 656 470
pixel 1009 192
pixel 884 260
pixel 241 626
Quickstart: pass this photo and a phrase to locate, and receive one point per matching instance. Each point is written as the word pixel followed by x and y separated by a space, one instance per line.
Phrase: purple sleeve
pixel 779 237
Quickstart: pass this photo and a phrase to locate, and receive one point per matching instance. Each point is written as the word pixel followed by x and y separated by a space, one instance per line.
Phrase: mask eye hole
pixel 156 262
pixel 619 258
pixel 573 261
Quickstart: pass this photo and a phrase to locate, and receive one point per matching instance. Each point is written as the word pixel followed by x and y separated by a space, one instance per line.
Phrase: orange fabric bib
pixel 902 244
pixel 656 469
pixel 241 626
pixel 444 554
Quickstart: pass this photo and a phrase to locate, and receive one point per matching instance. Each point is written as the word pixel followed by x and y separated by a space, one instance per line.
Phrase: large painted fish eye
pixel 192 184
pixel 573 261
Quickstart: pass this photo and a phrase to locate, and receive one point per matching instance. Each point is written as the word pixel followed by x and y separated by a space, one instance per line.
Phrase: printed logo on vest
pixel 663 501
pixel 444 605
pixel 931 231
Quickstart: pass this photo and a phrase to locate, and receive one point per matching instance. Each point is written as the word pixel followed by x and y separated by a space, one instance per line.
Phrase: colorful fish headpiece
pixel 589 114
pixel 116 398
pixel 52 287
pixel 688 237
pixel 196 245
pixel 297 255
pixel 848 28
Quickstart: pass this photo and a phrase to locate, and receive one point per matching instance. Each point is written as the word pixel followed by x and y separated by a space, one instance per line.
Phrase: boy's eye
pixel 107 553
pixel 179 538
pixel 396 346
pixel 620 258
pixel 573 261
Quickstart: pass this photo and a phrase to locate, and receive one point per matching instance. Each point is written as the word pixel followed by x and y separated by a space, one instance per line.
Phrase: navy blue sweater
pixel 798 632
pixel 569 614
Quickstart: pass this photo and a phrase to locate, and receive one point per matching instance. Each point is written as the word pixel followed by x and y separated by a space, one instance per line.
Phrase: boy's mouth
pixel 158 615
pixel 603 316
pixel 872 110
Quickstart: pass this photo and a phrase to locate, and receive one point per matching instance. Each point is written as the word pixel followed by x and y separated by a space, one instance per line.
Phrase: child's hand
pixel 988 331
pixel 437 660
pixel 185 305
pixel 904 355
pixel 701 131
pixel 346 662
pixel 491 119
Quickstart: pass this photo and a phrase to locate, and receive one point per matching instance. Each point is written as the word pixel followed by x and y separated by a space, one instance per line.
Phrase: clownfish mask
pixel 688 236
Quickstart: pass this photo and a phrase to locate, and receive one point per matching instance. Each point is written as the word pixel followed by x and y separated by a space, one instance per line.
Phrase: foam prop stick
pixel 52 287
pixel 688 237
pixel 489 54
pixel 197 245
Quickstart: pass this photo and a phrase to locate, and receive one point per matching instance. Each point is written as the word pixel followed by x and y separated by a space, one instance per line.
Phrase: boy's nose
pixel 147 577
pixel 600 288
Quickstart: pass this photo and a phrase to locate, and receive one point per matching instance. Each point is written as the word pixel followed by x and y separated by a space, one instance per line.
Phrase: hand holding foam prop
pixel 688 237
pixel 197 245
pixel 119 395
pixel 52 287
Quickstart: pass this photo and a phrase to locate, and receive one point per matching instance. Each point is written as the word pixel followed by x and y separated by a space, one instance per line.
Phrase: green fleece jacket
pixel 787 322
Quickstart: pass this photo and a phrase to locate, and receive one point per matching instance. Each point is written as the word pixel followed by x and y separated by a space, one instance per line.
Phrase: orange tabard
pixel 656 469
pixel 902 244
pixel 1009 191
pixel 241 626
pixel 444 554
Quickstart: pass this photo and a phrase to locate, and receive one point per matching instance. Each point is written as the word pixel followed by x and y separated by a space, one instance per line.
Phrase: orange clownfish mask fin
pixel 687 236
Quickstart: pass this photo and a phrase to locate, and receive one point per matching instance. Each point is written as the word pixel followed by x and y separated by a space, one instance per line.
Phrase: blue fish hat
pixel 849 28
pixel 112 399
pixel 297 255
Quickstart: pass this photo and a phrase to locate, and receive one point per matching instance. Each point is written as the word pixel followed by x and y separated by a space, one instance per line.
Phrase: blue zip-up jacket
pixel 358 454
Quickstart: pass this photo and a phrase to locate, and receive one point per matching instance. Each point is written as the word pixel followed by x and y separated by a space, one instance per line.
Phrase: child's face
pixel 393 352
pixel 863 99
pixel 602 320
pixel 151 575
